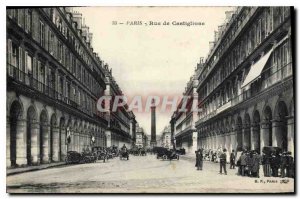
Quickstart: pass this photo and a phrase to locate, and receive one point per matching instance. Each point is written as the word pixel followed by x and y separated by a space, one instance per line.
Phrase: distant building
pixel 165 138
pixel 140 137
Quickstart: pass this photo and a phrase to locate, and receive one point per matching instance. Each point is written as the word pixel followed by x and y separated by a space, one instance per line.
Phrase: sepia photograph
pixel 150 99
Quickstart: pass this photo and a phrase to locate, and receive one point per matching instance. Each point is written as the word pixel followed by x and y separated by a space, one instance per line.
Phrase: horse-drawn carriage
pixel 134 151
pixel 124 154
pixel 101 153
pixel 142 152
pixel 166 154
pixel 73 157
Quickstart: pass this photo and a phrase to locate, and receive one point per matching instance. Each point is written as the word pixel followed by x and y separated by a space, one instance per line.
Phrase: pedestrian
pixel 199 159
pixel 266 165
pixel 275 164
pixel 248 161
pixel 243 163
pixel 232 160
pixel 283 165
pixel 290 165
pixel 255 166
pixel 223 158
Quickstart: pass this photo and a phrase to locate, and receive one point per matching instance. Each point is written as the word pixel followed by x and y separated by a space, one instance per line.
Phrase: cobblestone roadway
pixel 141 174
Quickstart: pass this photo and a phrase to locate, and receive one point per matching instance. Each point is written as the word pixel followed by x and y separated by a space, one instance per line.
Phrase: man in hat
pixel 255 164
pixel 243 163
pixel 290 165
pixel 283 165
pixel 223 158
pixel 266 159
pixel 199 159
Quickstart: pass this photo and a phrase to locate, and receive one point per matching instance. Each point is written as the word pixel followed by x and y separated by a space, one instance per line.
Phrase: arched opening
pixel 247 132
pixel 44 137
pixel 281 133
pixel 268 126
pixel 239 133
pixel 31 118
pixel 15 115
pixel 256 132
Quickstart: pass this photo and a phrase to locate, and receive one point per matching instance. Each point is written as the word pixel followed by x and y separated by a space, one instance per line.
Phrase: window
pixel 68 90
pixel 42 34
pixel 61 85
pixel 28 20
pixel 51 42
pixel 79 97
pixel 15 56
pixel 29 64
pixel 60 51
pixel 42 72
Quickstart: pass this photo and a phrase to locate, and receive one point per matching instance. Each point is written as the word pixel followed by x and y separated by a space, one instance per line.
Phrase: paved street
pixel 140 174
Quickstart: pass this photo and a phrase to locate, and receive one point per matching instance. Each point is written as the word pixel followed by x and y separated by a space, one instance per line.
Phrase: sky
pixel 152 60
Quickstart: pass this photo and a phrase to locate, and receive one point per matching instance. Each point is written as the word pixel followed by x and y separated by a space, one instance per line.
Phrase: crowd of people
pixel 274 163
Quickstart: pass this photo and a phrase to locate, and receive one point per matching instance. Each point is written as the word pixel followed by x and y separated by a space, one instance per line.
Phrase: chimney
pixel 77 17
pixel 201 60
pixel 228 15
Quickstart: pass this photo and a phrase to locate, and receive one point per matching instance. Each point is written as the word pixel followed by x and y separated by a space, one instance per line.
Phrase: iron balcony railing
pixel 269 79
pixel 27 79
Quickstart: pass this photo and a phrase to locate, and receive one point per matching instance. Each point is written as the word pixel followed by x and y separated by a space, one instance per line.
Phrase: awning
pixel 257 68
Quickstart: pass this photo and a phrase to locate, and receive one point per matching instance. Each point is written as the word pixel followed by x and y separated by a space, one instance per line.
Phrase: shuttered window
pixel 42 34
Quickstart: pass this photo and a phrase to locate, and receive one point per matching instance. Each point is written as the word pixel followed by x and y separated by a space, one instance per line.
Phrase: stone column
pixel 290 133
pixel 276 133
pixel 227 141
pixel 223 140
pixel 108 135
pixel 264 135
pixel 254 136
pixel 21 158
pixel 194 141
pixel 218 140
pixel 63 143
pixel 233 140
pixel 81 142
pixel 35 143
pixel 77 141
pixel 8 163
pixel 72 143
pixel 55 144
pixel 46 142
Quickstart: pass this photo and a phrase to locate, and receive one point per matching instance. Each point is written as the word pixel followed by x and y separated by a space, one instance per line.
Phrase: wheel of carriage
pixel 177 157
pixel 127 157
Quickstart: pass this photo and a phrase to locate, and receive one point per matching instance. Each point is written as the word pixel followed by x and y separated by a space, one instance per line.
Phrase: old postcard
pixel 150 100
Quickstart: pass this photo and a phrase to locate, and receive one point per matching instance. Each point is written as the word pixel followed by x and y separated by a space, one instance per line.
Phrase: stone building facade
pixel 182 124
pixel 121 122
pixel 54 79
pixel 245 86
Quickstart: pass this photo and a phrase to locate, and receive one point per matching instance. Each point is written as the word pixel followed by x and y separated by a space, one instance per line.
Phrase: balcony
pixel 28 80
pixel 267 81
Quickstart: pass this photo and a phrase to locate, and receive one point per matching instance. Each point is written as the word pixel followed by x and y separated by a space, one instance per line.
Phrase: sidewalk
pixel 13 171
